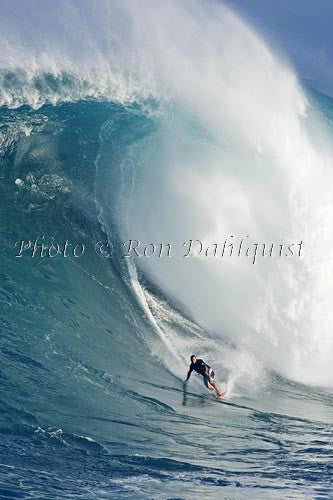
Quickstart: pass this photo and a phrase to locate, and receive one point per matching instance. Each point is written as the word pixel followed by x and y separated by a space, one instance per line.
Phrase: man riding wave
pixel 199 366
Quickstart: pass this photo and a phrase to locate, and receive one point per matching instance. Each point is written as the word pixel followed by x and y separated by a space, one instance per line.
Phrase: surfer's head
pixel 193 358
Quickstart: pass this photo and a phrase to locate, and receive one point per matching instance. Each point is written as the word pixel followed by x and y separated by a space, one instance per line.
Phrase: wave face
pixel 160 124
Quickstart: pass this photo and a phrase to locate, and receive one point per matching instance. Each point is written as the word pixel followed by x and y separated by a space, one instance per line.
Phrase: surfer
pixel 199 366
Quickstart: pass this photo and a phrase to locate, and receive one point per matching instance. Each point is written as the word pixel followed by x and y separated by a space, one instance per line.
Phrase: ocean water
pixel 160 124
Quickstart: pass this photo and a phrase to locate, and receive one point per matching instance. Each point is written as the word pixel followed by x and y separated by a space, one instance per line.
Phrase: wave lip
pixel 35 89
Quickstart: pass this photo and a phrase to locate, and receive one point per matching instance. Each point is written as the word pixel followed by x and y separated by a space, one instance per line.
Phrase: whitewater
pixel 161 122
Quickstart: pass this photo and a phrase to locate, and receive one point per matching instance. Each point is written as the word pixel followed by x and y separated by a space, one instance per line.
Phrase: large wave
pixel 230 145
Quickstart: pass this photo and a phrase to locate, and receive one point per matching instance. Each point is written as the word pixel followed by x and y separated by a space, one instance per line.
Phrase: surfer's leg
pixel 215 388
pixel 210 384
pixel 207 382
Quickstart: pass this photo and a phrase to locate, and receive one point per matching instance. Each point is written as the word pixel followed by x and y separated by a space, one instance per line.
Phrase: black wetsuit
pixel 200 367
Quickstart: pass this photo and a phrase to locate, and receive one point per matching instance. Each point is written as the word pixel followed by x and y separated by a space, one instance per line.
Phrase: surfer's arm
pixel 189 373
